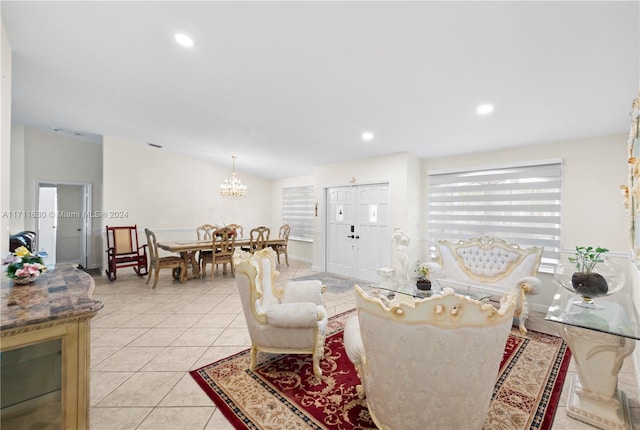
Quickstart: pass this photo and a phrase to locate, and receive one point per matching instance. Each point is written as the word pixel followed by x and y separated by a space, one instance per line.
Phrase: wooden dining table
pixel 189 248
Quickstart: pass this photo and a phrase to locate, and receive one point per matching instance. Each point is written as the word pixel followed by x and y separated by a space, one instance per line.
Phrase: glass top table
pixel 390 292
pixel 600 338
pixel 617 316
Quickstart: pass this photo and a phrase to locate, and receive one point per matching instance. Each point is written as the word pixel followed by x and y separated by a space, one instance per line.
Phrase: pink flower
pixel 22 273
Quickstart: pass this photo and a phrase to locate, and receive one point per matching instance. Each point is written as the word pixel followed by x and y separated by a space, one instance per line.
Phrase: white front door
pixel 358 231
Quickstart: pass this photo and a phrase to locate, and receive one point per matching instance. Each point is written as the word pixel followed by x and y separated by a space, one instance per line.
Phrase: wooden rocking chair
pixel 123 251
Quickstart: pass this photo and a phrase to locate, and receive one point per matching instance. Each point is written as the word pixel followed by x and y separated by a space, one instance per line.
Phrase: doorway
pixel 64 230
pixel 358 231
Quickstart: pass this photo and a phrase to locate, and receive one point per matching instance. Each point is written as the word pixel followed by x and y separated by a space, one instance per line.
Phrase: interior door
pixel 358 231
pixel 70 224
pixel 47 225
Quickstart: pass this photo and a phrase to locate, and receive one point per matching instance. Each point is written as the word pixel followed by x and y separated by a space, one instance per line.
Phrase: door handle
pixel 351 237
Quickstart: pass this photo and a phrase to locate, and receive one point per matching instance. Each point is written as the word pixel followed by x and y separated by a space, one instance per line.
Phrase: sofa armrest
pixel 294 315
pixel 353 341
pixel 303 291
pixel 530 285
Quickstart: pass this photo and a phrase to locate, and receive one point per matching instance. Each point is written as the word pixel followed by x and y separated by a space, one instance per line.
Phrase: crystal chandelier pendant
pixel 233 187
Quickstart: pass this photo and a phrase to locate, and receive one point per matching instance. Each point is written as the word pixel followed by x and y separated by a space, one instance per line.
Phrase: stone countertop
pixel 56 294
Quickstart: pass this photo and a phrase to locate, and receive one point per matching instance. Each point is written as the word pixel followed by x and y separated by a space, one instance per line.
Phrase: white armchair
pixel 489 266
pixel 428 363
pixel 288 319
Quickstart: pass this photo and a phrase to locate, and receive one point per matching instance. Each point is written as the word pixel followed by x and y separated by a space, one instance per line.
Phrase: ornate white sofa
pixel 427 363
pixel 489 266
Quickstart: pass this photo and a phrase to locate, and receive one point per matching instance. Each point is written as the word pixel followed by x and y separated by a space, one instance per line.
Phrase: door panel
pixel 340 212
pixel 374 243
pixel 46 234
pixel 70 223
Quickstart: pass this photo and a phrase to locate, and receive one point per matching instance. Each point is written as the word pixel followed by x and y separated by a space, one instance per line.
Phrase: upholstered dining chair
pixel 258 239
pixel 428 363
pixel 289 318
pixel 223 246
pixel 281 248
pixel 169 262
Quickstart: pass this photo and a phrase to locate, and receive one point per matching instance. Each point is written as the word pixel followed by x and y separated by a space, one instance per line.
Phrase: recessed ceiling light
pixel 184 40
pixel 484 109
pixel 367 136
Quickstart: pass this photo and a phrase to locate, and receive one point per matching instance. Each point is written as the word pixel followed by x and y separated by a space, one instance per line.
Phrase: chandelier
pixel 232 187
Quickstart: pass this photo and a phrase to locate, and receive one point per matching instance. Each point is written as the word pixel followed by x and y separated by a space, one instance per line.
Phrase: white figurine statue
pixel 401 241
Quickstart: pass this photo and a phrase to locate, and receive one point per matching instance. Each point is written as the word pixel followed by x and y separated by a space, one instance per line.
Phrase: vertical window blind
pixel 519 204
pixel 298 211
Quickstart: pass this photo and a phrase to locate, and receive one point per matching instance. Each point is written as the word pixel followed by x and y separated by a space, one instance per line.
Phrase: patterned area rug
pixel 283 393
pixel 334 283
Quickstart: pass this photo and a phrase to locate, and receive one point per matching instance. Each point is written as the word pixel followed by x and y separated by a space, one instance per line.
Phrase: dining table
pixel 189 248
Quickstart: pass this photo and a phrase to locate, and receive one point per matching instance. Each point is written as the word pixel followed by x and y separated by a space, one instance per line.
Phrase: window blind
pixel 298 211
pixel 519 204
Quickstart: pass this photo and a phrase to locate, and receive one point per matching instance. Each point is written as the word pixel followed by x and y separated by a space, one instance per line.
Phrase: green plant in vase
pixel 423 282
pixel 585 280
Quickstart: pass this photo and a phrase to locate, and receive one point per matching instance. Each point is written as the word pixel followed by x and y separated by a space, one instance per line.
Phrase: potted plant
pixel 590 275
pixel 423 282
pixel 586 281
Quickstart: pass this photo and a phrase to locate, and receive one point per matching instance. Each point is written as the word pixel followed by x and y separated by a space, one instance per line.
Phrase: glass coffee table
pixel 390 292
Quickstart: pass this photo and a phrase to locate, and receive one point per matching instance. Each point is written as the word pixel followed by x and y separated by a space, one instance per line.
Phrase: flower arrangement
pixel 422 271
pixel 24 266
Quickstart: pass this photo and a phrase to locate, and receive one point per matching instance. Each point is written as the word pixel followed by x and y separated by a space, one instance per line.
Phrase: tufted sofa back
pixel 487 260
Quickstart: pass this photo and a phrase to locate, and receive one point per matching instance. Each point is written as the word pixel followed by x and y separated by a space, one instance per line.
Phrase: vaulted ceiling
pixel 287 86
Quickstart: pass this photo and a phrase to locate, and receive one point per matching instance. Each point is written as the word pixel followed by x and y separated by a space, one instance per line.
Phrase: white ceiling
pixel 287 86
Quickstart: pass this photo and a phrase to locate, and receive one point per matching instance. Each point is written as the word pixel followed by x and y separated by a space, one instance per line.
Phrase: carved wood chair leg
pixel 254 357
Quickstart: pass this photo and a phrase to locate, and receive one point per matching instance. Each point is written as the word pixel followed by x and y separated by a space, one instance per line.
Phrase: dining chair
pixel 205 232
pixel 223 246
pixel 258 239
pixel 238 228
pixel 174 262
pixel 281 248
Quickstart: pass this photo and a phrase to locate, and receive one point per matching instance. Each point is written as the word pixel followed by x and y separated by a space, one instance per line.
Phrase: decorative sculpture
pixel 401 241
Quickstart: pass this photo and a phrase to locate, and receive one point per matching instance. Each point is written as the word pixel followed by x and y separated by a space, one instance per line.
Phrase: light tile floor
pixel 144 342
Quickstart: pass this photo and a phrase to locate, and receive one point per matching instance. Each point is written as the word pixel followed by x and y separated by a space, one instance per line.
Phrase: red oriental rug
pixel 283 393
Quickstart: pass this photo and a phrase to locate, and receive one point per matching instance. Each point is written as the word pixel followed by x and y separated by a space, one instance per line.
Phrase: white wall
pixel 592 207
pixel 45 156
pixel 5 138
pixel 173 194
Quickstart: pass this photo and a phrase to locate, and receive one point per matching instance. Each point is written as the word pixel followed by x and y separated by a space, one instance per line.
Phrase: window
pixel 520 204
pixel 298 210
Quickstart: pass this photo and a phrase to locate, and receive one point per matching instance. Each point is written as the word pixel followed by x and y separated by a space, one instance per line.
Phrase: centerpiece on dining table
pixel 23 266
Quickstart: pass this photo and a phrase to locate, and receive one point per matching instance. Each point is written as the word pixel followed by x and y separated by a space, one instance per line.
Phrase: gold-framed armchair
pixel 289 318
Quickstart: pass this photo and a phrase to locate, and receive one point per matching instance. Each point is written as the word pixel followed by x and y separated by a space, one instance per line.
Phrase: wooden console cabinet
pixel 58 307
